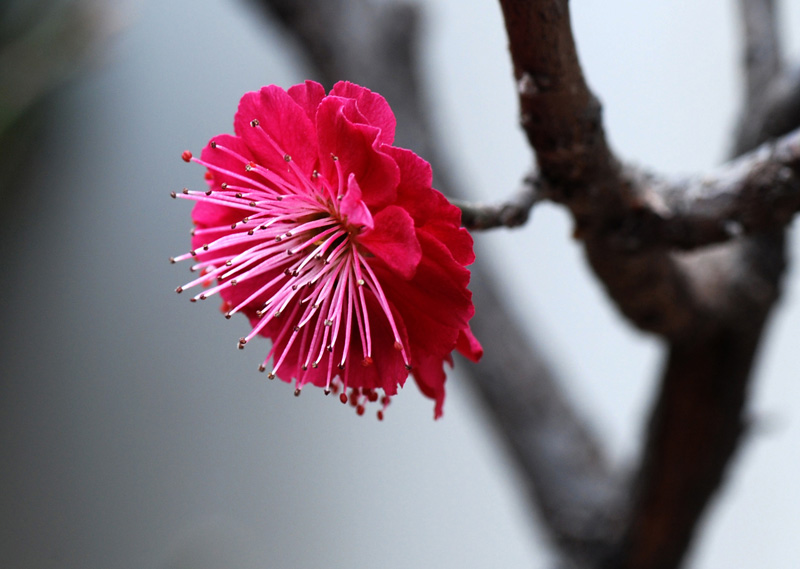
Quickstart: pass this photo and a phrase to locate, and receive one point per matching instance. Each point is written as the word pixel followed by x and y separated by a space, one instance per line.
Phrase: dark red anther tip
pixel 360 410
pixel 343 398
pixel 186 156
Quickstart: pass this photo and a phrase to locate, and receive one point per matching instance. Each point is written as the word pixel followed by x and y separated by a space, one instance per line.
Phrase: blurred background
pixel 133 433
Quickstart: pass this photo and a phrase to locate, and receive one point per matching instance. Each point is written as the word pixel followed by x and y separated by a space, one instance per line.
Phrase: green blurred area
pixel 43 44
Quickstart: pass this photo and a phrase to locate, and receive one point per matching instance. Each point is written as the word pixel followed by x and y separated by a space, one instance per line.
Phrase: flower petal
pixel 354 208
pixel 308 95
pixel 468 346
pixel 343 135
pixel 430 377
pixel 372 106
pixel 283 121
pixel 436 304
pixel 394 241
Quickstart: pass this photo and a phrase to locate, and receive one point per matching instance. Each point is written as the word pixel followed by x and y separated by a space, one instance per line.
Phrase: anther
pixel 173 195
pixel 205 246
pixel 208 192
pixel 239 195
pixel 328 322
pixel 228 317
pixel 408 367
pixel 327 392
pixel 315 174
pixel 343 398
pixel 202 297
pixel 360 410
pixel 234 282
pixel 262 368
pixel 287 157
pixel 228 263
pixel 380 415
pixel 224 185
pixel 185 191
pixel 398 346
pixel 208 175
pixel 361 282
pixel 340 366
pixel 249 166
pixel 251 232
pixel 297 392
pixel 304 367
pixel 212 144
pixel 315 365
pixel 271 375
pixel 335 158
pixel 254 123
pixel 186 156
pixel 366 362
pixel 296 328
pixel 193 253
pixel 179 289
pixel 172 260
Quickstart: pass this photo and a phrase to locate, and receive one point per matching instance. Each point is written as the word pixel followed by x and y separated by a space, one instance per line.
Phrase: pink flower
pixel 334 244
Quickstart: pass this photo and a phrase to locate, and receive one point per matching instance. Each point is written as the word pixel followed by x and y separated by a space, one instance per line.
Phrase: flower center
pixel 309 286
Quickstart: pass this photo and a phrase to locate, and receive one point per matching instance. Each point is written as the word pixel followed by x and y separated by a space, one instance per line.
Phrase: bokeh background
pixel 133 433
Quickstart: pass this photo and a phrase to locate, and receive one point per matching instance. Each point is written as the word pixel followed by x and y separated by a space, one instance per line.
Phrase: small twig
pixel 513 213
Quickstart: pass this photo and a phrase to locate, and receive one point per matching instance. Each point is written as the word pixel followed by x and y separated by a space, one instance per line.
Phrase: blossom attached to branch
pixel 334 244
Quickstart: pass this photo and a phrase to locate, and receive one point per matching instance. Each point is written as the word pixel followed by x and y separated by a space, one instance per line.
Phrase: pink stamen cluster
pixel 301 252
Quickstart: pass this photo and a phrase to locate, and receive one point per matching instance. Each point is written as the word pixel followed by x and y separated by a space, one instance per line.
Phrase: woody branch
pixel 709 304
pixel 561 461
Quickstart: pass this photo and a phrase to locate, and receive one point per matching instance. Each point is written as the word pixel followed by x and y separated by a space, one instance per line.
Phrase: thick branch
pixel 697 419
pixel 711 305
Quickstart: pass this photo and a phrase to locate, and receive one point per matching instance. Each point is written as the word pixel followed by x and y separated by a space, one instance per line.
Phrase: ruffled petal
pixel 308 95
pixel 436 304
pixel 343 135
pixel 372 106
pixel 283 128
pixel 468 346
pixel 430 377
pixel 394 241
pixel 353 207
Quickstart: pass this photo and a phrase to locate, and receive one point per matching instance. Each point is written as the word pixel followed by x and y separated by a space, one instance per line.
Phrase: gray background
pixel 135 435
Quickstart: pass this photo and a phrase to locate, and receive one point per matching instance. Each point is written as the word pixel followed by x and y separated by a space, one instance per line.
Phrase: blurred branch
pixel 563 463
